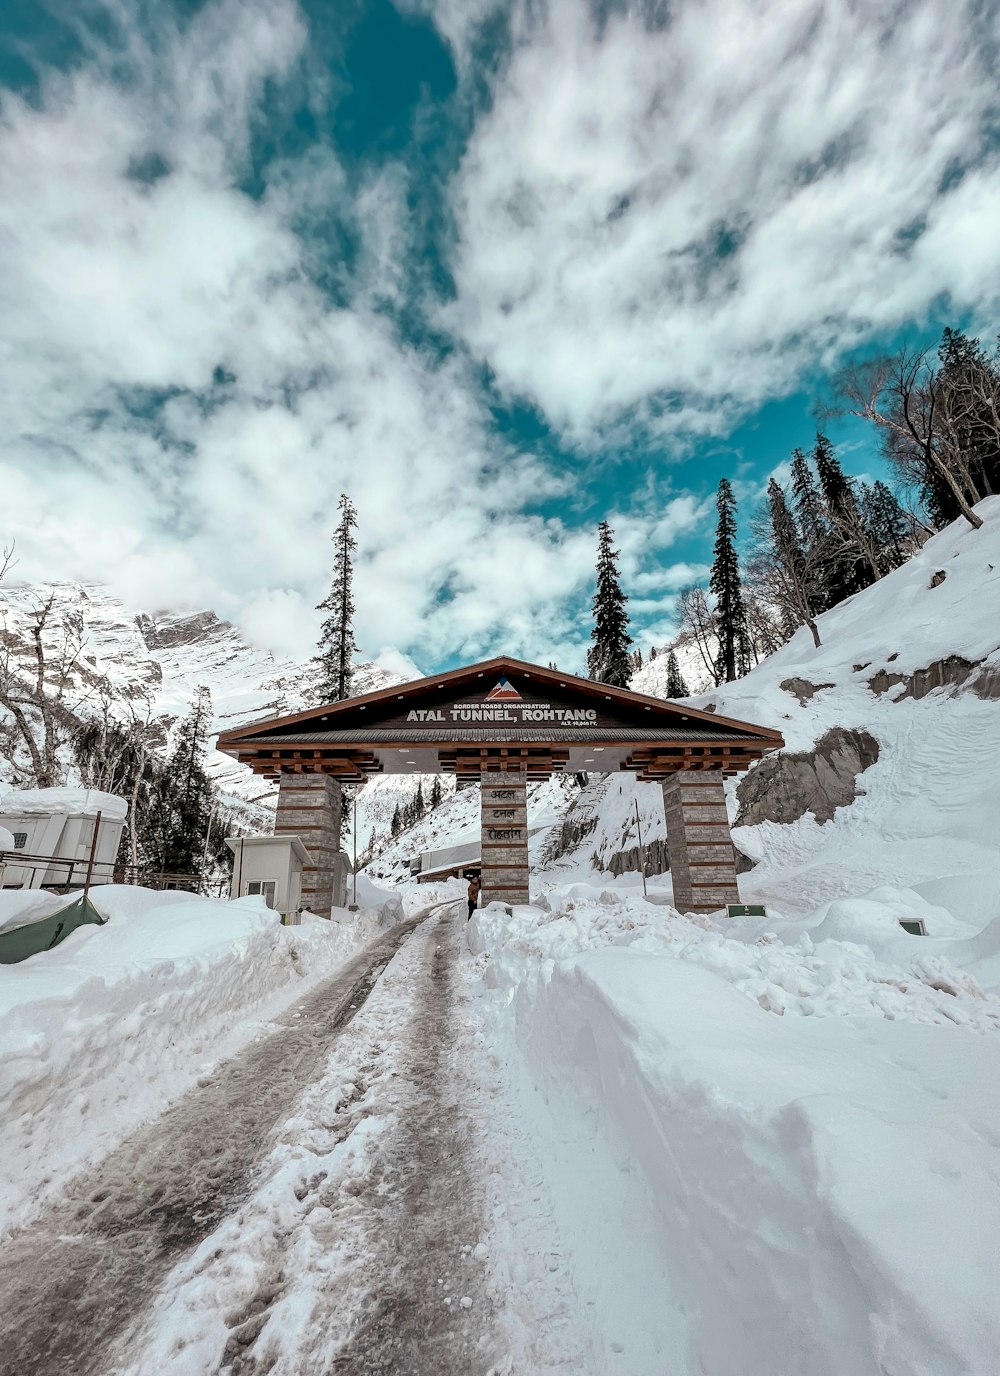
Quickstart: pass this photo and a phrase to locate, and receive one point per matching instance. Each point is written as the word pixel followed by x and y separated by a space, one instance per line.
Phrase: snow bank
pixel 795 1136
pixel 873 968
pixel 72 802
pixel 371 896
pixel 97 1035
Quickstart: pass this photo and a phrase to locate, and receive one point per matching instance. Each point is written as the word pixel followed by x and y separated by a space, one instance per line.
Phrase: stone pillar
pixel 309 807
pixel 505 838
pixel 702 859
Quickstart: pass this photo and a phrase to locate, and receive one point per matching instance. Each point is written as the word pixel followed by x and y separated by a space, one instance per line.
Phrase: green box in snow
pixel 746 910
pixel 18 943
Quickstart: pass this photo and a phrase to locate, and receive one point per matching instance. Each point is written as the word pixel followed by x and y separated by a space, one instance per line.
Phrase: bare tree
pixel 118 754
pixel 763 629
pixel 697 618
pixel 923 415
pixel 786 571
pixel 34 681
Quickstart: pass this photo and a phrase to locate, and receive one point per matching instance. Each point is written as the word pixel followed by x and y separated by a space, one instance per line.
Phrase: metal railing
pixel 74 874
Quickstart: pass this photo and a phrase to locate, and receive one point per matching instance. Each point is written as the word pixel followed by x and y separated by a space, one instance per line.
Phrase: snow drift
pixel 97 1035
pixel 775 1150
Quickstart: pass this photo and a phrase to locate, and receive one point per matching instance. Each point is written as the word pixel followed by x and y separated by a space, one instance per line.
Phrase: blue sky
pixel 497 270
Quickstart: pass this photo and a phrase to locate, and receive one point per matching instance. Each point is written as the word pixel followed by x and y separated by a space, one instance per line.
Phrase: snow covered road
pixel 75 1285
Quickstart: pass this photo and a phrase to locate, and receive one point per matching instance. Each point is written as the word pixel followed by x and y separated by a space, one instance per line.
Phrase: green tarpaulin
pixel 17 943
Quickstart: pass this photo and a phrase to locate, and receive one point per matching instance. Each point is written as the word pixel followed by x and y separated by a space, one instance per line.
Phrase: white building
pixel 53 829
pixel 272 867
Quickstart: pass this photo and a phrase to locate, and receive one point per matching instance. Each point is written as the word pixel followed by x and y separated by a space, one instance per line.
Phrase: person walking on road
pixel 473 894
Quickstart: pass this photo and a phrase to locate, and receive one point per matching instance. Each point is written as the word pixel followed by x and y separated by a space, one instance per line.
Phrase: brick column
pixel 505 838
pixel 702 860
pixel 309 807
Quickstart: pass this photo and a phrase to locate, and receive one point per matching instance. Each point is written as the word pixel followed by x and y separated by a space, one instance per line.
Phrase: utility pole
pixel 208 835
pixel 93 853
pixel 642 852
pixel 354 842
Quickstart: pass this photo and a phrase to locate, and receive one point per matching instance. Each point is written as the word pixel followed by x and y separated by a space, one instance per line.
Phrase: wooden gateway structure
pixel 502 723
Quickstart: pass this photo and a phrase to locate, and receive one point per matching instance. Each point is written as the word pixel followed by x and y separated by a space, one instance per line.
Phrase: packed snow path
pixel 75 1286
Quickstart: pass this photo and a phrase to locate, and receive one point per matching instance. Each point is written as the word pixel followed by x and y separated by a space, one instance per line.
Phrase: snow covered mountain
pixel 153 662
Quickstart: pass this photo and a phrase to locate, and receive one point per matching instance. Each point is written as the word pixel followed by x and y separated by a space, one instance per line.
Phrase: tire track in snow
pixel 81 1273
pixel 427 1309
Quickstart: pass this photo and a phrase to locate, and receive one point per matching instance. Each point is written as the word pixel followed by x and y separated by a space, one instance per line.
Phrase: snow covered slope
pixel 892 730
pixel 652 677
pixel 457 820
pixel 785 1130
pixel 913 663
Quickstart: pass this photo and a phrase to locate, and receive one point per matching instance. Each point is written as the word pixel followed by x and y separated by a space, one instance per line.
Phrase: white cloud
pixel 699 206
pixel 120 294
pixel 592 191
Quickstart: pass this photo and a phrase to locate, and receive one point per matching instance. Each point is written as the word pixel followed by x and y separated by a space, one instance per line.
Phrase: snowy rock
pixel 784 787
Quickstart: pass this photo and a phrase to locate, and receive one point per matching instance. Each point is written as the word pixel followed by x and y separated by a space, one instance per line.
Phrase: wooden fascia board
pixel 639 747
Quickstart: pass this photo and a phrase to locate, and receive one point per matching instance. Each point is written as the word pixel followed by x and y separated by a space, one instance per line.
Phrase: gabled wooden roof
pixel 503 714
pixel 335 717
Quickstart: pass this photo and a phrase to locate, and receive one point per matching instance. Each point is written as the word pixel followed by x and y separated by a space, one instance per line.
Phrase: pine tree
pixel 733 658
pixel 855 569
pixel 812 523
pixel 337 647
pixel 886 523
pixel 820 537
pixel 419 806
pixel 608 658
pixel 436 794
pixel 676 687
pixel 652 651
pixel 184 799
pixel 396 825
pixel 889 526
